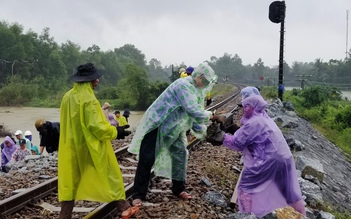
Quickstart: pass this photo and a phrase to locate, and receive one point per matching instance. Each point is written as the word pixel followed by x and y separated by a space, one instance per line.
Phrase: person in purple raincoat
pixel 6 153
pixel 268 179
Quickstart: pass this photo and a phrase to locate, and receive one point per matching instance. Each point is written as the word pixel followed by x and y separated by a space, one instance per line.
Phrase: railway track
pixel 127 162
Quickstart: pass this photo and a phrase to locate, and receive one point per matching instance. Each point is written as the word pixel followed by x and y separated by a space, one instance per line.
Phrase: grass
pixel 221 89
pixel 223 175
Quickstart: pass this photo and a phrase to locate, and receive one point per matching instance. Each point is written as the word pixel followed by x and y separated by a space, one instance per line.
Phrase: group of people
pixel 86 134
pixel 14 150
pixel 268 180
pixel 160 141
pixel 117 120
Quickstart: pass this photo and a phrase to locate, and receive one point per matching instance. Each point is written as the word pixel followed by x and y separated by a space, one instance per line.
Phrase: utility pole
pixel 347 32
pixel 277 15
pixel 12 67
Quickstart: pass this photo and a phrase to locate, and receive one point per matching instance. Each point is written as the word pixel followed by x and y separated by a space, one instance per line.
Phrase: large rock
pixel 325 215
pixel 241 215
pixel 309 166
pixel 284 213
pixel 312 192
pixel 287 121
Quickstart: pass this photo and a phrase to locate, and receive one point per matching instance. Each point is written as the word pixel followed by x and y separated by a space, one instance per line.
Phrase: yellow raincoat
pixel 122 121
pixel 87 165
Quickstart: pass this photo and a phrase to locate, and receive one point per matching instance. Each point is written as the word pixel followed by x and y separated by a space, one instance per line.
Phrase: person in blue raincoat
pixel 87 165
pixel 160 137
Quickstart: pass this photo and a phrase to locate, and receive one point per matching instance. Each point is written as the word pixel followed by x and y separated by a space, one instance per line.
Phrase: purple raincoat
pixel 7 152
pixel 269 179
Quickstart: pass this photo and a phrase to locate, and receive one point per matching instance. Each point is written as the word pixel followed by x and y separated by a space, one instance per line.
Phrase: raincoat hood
pixel 8 151
pixel 256 102
pixel 249 91
pixel 205 70
pixel 251 96
pixel 35 149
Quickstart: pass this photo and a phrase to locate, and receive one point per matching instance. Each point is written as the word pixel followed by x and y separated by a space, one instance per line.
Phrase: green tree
pixel 156 72
pixel 134 88
pixel 129 54
pixel 71 56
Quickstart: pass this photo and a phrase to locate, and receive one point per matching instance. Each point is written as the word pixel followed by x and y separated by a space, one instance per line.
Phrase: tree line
pixel 35 68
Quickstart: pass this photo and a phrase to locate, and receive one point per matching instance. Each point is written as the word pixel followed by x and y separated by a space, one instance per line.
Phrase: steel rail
pixel 20 200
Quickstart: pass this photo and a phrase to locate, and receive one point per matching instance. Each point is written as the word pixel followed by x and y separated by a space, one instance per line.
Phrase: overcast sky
pixel 176 31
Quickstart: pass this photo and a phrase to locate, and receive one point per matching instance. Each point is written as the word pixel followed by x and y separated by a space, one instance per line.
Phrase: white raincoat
pixel 178 109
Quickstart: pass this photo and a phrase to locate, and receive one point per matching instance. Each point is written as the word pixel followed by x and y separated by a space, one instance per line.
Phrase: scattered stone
pixel 45 177
pixel 216 198
pixel 18 191
pixel 205 181
pixel 236 169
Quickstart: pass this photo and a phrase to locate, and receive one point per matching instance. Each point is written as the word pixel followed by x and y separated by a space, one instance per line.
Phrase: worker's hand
pixel 120 132
pixel 214 134
pixel 126 126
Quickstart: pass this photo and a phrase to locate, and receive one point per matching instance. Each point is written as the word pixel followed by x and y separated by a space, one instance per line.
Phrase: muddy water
pixel 23 118
pixel 345 94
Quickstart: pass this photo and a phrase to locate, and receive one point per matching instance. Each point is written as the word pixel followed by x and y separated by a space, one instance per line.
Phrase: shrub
pixel 316 95
pixel 343 117
pixel 17 94
pixel 107 92
pixel 269 92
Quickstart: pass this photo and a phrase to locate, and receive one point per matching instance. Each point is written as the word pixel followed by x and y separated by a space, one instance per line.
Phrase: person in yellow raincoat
pixel 87 166
pixel 182 73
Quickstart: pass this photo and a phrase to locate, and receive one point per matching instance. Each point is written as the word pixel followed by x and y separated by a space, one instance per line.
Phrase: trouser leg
pixel 66 209
pixel 179 164
pixel 122 205
pixel 146 161
pixel 178 187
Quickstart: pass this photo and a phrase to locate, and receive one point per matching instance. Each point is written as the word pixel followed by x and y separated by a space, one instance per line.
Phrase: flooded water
pixel 23 118
pixel 345 94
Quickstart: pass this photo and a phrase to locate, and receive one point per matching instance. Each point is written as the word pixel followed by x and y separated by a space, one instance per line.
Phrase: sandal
pixel 137 202
pixel 185 195
pixel 130 212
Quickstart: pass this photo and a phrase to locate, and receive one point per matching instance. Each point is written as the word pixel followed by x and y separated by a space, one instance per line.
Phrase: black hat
pixel 22 141
pixel 126 112
pixel 86 72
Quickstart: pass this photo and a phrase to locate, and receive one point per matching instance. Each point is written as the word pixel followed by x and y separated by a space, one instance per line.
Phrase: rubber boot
pixel 66 209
